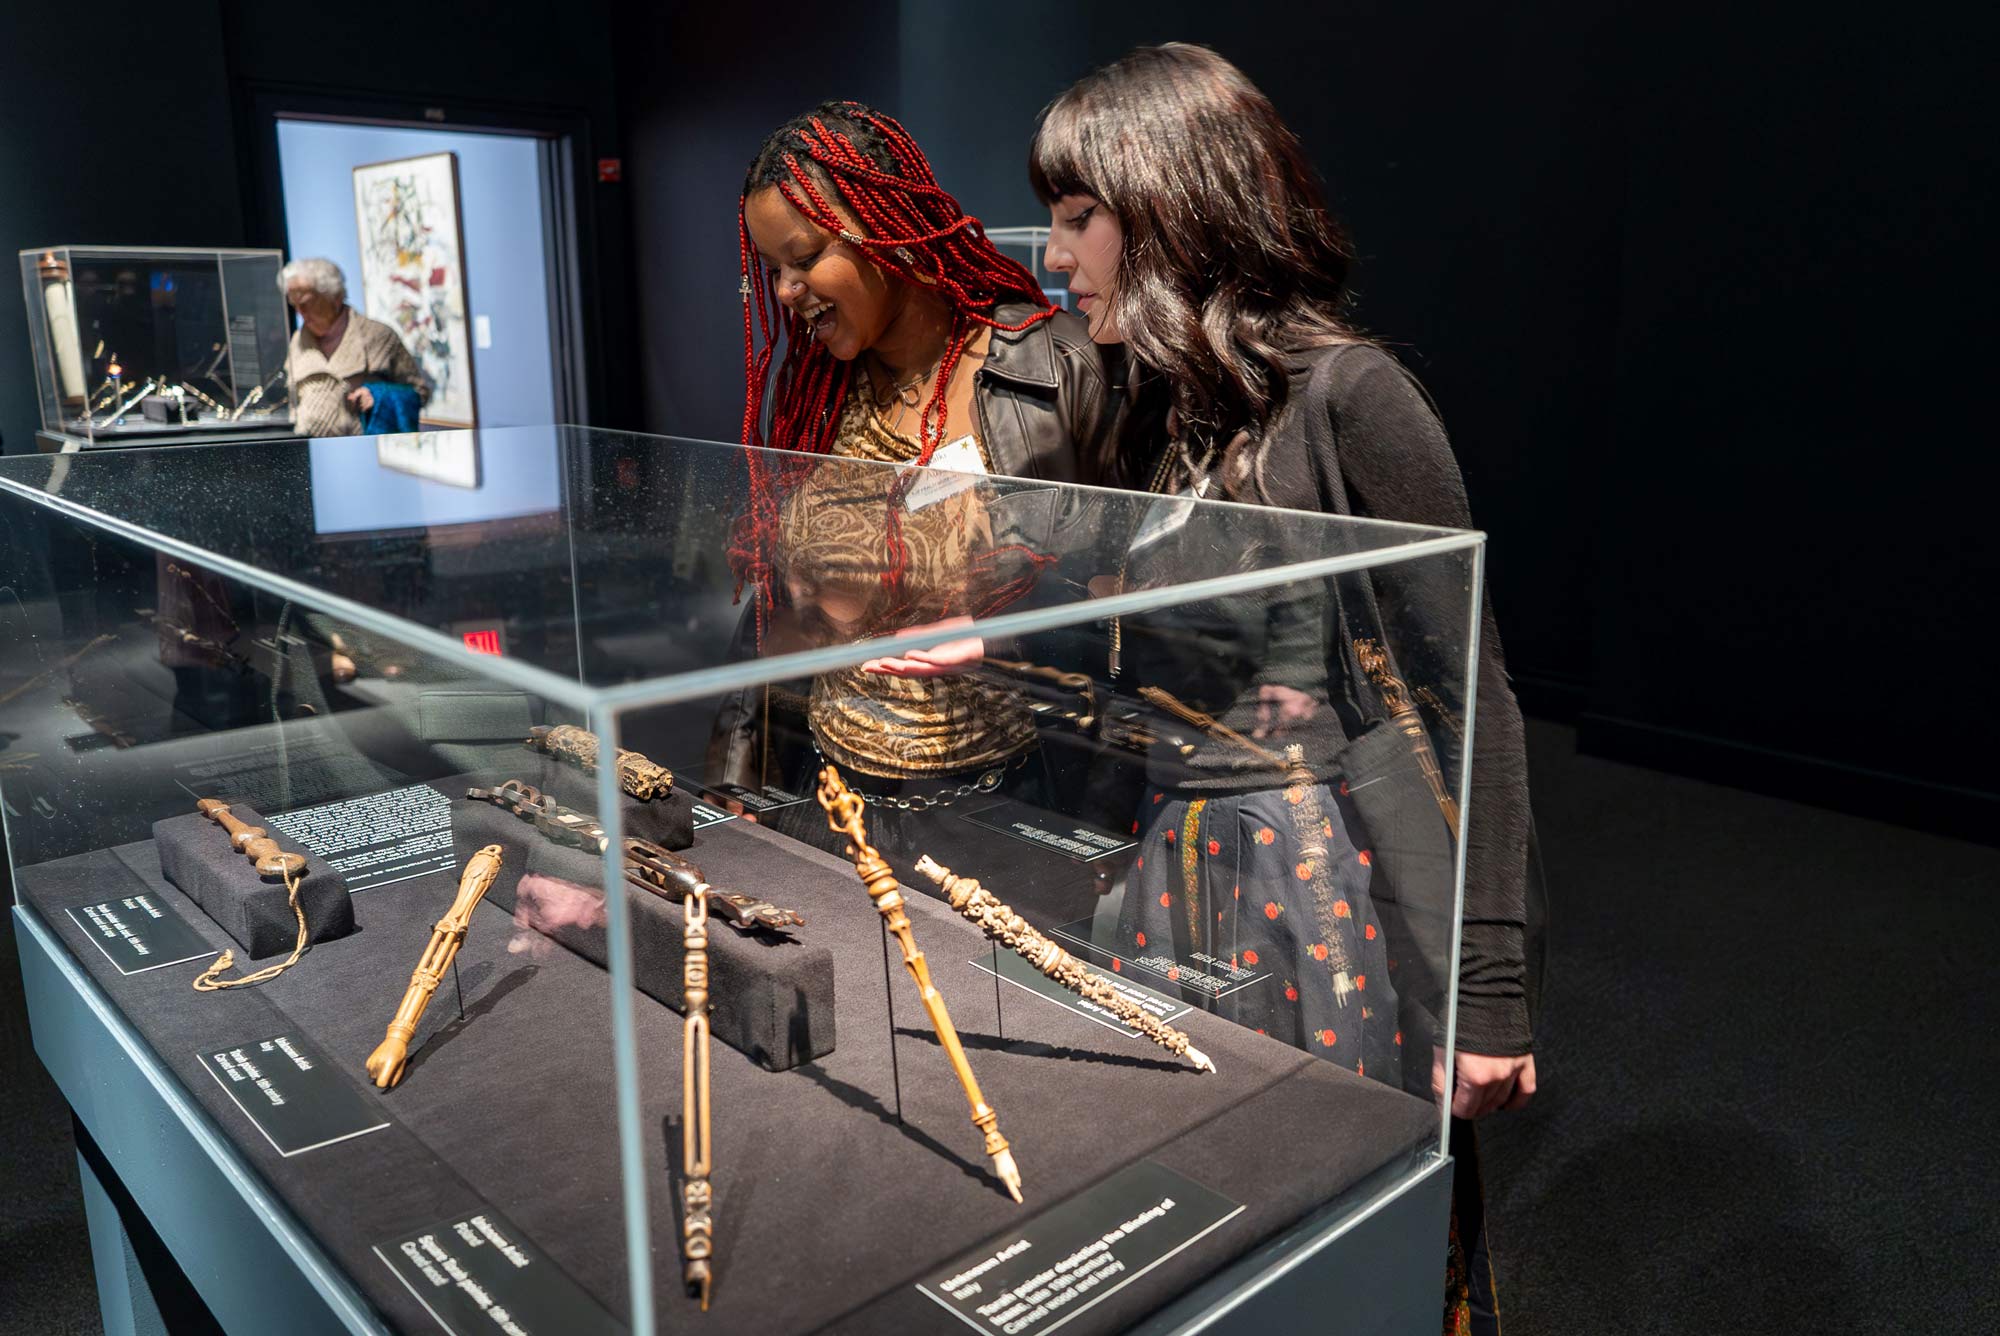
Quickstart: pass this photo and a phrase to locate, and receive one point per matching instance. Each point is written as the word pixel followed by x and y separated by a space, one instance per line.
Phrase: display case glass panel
pixel 729 1018
pixel 155 343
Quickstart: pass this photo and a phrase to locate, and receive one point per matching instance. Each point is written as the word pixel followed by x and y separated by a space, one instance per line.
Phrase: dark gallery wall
pixel 104 142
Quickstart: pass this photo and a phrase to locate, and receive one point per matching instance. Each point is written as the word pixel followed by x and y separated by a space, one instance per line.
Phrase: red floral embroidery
pixel 1173 972
pixel 1266 836
pixel 1117 965
pixel 1139 862
pixel 1270 909
pixel 1166 899
pixel 1360 982
pixel 1295 795
pixel 1291 993
pixel 1239 892
pixel 1329 1038
pixel 1360 1069
pixel 1142 939
pixel 1249 958
pixel 1319 950
pixel 1170 834
pixel 1304 871
pixel 1367 860
pixel 1399 1037
pixel 1369 932
pixel 1214 848
pixel 1341 910
pixel 1135 828
pixel 1326 827
pixel 1157 797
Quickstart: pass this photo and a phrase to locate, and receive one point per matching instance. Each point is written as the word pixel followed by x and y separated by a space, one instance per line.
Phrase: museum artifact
pixel 844 810
pixel 270 861
pixel 655 869
pixel 385 1064
pixel 638 776
pixel 1374 661
pixel 697 1194
pixel 647 865
pixel 1001 924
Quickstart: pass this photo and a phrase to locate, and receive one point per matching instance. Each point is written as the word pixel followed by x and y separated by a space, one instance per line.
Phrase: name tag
pixel 952 469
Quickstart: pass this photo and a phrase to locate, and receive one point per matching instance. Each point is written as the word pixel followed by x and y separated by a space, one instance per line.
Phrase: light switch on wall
pixel 482 332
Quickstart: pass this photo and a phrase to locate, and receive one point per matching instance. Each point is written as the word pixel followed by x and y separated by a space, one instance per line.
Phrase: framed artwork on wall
pixel 413 273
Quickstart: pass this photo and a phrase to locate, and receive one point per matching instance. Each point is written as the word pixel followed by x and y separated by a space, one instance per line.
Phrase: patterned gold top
pixel 834 553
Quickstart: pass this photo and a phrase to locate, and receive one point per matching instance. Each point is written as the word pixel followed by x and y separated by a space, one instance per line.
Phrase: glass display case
pixel 154 342
pixel 583 878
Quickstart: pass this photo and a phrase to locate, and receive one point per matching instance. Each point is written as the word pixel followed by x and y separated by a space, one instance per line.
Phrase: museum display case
pixel 564 880
pixel 156 343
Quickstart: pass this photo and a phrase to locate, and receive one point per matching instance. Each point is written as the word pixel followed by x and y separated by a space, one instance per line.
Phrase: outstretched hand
pixel 953 656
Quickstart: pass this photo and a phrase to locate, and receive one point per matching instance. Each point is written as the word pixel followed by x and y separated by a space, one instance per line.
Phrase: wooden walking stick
pixel 843 816
pixel 385 1064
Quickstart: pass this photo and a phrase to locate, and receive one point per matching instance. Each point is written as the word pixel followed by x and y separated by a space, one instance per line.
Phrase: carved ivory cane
pixel 385 1064
pixel 697 1194
pixel 1001 924
pixel 270 861
pixel 843 816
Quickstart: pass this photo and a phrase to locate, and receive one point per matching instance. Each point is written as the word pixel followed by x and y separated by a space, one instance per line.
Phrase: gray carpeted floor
pixel 1764 1054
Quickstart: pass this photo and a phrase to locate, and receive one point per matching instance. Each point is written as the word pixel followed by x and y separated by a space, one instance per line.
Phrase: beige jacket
pixel 369 350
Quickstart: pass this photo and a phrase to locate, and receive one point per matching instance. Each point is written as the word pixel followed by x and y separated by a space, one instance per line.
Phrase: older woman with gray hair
pixel 340 361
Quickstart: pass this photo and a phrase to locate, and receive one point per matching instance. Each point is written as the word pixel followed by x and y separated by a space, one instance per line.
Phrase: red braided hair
pixel 910 227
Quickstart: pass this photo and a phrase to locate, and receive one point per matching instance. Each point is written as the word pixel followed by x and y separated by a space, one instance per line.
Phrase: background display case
pixel 1211 757
pixel 151 342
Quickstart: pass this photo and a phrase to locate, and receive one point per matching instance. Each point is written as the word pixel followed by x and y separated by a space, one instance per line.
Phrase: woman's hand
pixel 953 656
pixel 362 398
pixel 1486 1084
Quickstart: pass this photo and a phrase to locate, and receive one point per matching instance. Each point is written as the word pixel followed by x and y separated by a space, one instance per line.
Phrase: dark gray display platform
pixel 826 1209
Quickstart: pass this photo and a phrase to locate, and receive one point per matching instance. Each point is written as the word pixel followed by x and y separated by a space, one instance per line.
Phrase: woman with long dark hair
pixel 880 323
pixel 1193 232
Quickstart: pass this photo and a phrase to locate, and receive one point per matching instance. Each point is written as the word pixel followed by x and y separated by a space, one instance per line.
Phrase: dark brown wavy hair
pixel 1232 260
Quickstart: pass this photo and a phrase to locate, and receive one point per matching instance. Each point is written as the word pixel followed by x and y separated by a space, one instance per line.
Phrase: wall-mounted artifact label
pixel 477 1275
pixel 1049 830
pixel 1208 976
pixel 382 838
pixel 297 1098
pixel 1022 974
pixel 1065 1261
pixel 140 932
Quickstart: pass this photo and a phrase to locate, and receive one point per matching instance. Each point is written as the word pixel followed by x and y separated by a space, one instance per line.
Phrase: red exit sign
pixel 486 641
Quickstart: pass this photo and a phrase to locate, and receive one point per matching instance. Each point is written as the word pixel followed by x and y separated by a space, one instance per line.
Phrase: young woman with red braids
pixel 879 323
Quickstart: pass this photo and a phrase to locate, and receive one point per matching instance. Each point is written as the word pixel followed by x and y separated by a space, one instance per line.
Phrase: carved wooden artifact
pixel 385 1064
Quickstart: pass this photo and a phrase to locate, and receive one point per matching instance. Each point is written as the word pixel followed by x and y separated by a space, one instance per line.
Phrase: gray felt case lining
pixel 256 911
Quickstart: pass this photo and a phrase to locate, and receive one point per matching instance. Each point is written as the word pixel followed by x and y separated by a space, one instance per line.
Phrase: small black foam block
pixel 770 994
pixel 254 910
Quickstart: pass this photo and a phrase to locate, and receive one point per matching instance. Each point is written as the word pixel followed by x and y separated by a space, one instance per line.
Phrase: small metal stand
pixel 889 991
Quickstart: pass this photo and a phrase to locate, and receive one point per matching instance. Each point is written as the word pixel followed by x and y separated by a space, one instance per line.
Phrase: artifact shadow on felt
pixel 854 1097
pixel 1035 1048
pixel 728 1215
pixel 482 1003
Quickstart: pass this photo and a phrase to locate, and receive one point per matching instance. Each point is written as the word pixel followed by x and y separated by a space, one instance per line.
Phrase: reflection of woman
pixel 906 338
pixel 1252 385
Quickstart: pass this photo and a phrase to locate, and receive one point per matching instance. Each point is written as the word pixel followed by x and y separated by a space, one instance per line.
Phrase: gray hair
pixel 322 275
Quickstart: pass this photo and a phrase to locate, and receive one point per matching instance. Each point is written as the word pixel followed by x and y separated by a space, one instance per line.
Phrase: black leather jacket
pixel 1043 400
pixel 1042 397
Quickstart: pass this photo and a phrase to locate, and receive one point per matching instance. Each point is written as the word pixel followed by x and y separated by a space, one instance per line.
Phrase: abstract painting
pixel 413 273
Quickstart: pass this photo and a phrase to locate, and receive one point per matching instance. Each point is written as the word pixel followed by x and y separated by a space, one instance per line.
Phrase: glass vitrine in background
pixel 156 343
